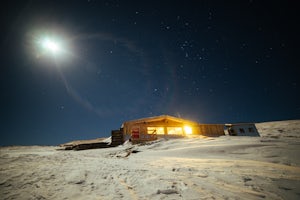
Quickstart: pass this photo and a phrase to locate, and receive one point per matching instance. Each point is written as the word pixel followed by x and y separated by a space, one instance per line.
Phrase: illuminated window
pixel 174 131
pixel 156 130
pixel 188 130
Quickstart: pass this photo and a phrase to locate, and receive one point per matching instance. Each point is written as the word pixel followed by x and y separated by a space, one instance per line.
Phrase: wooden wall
pixel 211 130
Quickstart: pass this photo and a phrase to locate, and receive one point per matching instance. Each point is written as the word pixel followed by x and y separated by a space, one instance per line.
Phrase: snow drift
pixel 266 167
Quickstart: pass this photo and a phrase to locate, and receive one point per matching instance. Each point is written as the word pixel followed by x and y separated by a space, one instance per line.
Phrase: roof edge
pixel 161 117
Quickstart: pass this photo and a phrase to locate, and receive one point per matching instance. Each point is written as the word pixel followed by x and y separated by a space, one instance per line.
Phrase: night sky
pixel 207 61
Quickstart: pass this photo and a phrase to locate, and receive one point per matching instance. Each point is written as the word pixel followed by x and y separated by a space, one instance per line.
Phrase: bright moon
pixel 51 45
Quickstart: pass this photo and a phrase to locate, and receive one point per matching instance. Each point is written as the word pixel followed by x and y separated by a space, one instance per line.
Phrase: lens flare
pixel 188 130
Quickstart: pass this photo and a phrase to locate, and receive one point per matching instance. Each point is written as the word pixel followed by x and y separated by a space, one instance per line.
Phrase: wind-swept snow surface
pixel 266 167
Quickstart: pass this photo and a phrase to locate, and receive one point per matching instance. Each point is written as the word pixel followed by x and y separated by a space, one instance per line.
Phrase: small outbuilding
pixel 147 129
pixel 243 129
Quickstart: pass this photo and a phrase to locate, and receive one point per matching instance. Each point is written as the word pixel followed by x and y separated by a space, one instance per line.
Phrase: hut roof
pixel 160 118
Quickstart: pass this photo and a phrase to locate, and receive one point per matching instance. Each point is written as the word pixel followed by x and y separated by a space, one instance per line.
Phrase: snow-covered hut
pixel 243 129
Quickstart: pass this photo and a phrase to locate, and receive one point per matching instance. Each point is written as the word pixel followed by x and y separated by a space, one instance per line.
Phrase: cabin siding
pixel 211 129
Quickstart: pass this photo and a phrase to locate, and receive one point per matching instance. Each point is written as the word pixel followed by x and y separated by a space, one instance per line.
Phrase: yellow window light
pixel 188 130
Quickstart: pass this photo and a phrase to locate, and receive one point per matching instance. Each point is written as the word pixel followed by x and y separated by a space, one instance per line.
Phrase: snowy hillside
pixel 227 167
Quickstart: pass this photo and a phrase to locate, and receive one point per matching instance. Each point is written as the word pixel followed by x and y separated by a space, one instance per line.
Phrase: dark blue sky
pixel 208 61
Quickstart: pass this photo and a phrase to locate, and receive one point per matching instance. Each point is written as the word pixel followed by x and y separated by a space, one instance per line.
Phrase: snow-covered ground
pixel 227 167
